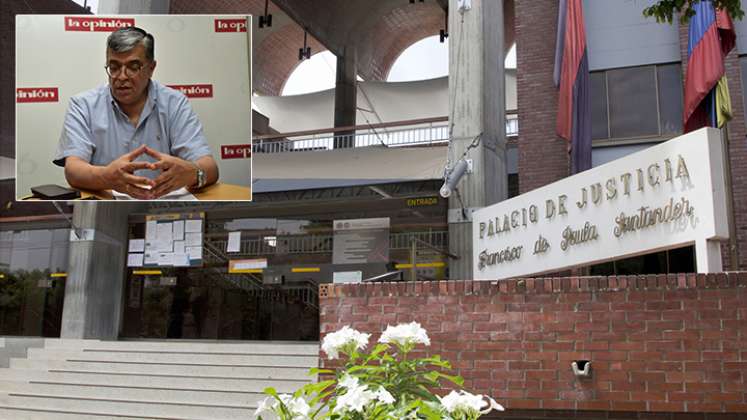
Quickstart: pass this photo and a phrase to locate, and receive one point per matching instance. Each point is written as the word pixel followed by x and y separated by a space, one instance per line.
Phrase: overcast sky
pixel 426 59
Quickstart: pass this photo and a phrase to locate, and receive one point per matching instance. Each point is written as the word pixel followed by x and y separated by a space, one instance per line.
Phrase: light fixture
pixel 581 368
pixel 305 51
pixel 444 33
pixel 464 5
pixel 454 175
pixel 266 19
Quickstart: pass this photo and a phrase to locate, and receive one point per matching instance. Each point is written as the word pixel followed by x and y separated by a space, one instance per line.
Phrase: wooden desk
pixel 216 192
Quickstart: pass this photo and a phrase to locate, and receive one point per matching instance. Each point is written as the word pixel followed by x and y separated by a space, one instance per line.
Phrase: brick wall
pixel 662 344
pixel 543 156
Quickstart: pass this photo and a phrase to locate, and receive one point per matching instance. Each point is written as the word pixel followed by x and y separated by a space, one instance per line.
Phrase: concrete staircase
pixel 91 379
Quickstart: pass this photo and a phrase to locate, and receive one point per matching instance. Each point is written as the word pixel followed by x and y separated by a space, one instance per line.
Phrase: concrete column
pixel 153 7
pixel 346 95
pixel 476 111
pixel 96 270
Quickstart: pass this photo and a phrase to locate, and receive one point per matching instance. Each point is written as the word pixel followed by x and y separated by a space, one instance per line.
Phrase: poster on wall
pixel 171 240
pixel 198 81
pixel 361 241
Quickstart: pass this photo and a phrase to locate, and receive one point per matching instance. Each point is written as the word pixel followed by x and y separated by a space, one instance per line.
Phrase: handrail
pixel 360 127
pixel 350 128
pixel 322 243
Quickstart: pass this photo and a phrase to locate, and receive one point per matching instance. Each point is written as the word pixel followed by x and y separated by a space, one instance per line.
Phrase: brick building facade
pixel 542 157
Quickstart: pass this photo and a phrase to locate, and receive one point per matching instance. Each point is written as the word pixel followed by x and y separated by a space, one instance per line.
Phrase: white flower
pixel 344 340
pixel 384 396
pixel 348 382
pixel 403 334
pixel 464 403
pixel 298 407
pixel 355 399
pixel 267 405
pixel 357 396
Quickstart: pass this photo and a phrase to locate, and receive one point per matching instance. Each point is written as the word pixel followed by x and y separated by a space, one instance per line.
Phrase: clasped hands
pixel 175 173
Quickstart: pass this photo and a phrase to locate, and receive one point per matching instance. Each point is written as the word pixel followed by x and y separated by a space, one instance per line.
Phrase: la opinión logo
pixel 93 24
pixel 45 94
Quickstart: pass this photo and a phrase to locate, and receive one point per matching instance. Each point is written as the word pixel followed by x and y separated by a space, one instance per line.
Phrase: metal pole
pixel 733 250
pixel 413 258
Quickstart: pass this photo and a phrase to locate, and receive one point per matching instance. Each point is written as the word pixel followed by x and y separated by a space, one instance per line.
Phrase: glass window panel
pixel 670 98
pixel 632 97
pixel 598 96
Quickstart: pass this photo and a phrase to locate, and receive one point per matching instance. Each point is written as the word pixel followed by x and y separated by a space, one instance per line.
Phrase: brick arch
pixel 404 26
pixel 384 37
pixel 277 57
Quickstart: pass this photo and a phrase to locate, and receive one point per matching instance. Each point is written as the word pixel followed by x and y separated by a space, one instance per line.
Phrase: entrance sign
pixel 669 195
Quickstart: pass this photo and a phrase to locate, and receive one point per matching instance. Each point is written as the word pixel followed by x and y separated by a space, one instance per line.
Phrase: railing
pixel 437 239
pixel 316 244
pixel 423 132
pixel 306 292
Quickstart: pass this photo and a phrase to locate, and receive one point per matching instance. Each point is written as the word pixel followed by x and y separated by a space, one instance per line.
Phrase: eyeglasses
pixel 131 69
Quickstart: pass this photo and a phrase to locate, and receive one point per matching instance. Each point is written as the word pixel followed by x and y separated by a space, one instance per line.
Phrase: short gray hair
pixel 125 39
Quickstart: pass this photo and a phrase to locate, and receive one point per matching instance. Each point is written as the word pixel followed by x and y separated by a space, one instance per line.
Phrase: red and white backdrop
pixel 206 57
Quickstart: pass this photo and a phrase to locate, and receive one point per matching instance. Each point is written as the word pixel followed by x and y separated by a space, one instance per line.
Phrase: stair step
pixel 131 408
pixel 143 393
pixel 180 358
pixel 255 372
pixel 152 381
pixel 26 413
pixel 191 347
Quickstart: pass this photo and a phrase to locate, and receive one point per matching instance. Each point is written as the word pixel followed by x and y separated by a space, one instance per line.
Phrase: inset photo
pixel 143 107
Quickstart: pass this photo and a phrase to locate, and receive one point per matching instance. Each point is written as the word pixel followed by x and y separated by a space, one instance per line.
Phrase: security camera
pixel 453 177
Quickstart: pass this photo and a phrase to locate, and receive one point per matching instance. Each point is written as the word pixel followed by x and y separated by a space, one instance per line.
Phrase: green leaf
pixel 430 411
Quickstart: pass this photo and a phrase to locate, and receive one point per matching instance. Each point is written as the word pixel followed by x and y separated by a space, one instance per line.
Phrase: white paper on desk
pixel 179 230
pixel 137 245
pixel 193 225
pixel 151 258
pixel 165 258
pixel 150 230
pixel 193 238
pixel 194 252
pixel 180 260
pixel 234 242
pixel 179 195
pixel 165 238
pixel 134 260
pixel 179 247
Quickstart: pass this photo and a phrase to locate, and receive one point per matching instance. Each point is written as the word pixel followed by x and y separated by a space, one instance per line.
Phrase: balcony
pixel 412 133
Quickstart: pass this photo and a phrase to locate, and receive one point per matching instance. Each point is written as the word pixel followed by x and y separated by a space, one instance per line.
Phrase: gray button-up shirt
pixel 98 131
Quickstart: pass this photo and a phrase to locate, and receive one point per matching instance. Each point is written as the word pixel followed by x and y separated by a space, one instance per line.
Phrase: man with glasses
pixel 134 135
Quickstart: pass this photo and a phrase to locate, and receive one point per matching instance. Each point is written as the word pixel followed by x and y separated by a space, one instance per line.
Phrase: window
pixel 636 102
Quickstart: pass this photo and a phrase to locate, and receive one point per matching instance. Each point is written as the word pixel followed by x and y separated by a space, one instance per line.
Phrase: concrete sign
pixel 667 196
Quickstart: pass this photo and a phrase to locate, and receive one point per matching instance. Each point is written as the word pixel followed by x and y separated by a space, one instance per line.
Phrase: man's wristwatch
pixel 201 179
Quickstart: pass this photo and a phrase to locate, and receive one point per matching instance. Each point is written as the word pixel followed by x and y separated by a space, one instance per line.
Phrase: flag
pixel 711 37
pixel 572 78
